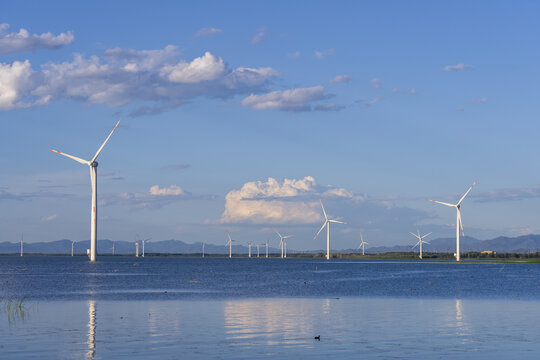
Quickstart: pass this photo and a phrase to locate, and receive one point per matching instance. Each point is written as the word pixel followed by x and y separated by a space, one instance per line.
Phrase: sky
pixel 240 116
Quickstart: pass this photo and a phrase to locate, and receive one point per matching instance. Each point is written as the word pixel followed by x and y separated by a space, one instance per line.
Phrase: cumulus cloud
pixel 48 218
pixel 319 54
pixel 171 190
pixel 457 67
pixel 288 201
pixel 15 42
pixel 125 76
pixel 208 32
pixel 288 100
pixel 341 78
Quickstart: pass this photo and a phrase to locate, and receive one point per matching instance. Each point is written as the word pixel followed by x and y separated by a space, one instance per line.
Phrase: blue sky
pixel 239 117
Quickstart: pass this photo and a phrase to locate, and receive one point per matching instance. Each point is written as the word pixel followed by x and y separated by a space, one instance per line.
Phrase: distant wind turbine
pixel 93 180
pixel 458 218
pixel 202 249
pixel 21 244
pixel 72 244
pixel 143 245
pixel 258 250
pixel 327 224
pixel 249 249
pixel 230 244
pixel 420 240
pixel 362 244
pixel 266 248
pixel 137 248
pixel 282 243
pixel 112 248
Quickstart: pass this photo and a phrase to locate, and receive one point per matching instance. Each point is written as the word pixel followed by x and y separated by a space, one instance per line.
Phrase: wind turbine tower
pixel 458 218
pixel 202 249
pixel 282 243
pixel 136 249
pixel 266 248
pixel 72 244
pixel 362 244
pixel 93 180
pixel 230 244
pixel 420 241
pixel 249 249
pixel 327 222
pixel 21 244
pixel 143 245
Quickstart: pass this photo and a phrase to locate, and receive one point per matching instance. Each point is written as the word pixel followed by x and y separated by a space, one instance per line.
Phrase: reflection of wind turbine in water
pixel 230 244
pixel 458 219
pixel 362 244
pixel 91 329
pixel 93 180
pixel 282 243
pixel 420 240
pixel 327 224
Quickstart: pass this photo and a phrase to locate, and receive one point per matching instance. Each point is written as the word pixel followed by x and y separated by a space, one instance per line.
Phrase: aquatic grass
pixel 15 308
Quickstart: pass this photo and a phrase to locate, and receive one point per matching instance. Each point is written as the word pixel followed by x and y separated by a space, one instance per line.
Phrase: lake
pixel 240 308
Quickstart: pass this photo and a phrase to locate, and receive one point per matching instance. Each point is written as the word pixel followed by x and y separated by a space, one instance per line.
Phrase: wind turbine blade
pixel 322 227
pixel 460 223
pixel 425 242
pixel 326 217
pixel 443 203
pixel 413 234
pixel 72 157
pixel 107 139
pixel 337 222
pixel 426 235
pixel 278 234
pixel 463 197
pixel 415 245
pixel 288 236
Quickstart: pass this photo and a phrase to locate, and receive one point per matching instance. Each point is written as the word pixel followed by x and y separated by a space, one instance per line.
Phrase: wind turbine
pixel 137 248
pixel 458 218
pixel 362 244
pixel 93 180
pixel 420 240
pixel 21 244
pixel 230 244
pixel 258 250
pixel 249 249
pixel 112 248
pixel 143 245
pixel 281 243
pixel 202 249
pixel 327 224
pixel 72 244
pixel 266 248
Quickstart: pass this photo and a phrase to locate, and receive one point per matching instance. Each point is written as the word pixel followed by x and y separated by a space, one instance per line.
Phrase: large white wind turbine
pixel 93 180
pixel 230 244
pixel 420 240
pixel 458 218
pixel 362 244
pixel 282 243
pixel 327 224
pixel 143 245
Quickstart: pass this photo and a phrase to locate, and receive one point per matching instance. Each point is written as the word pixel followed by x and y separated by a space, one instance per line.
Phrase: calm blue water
pixel 219 308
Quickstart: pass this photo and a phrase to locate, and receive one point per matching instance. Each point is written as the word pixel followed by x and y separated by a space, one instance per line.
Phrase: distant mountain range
pixel 520 244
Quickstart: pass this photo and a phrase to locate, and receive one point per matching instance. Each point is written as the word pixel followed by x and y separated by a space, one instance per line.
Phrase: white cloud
pixel 174 190
pixel 272 202
pixel 376 83
pixel 48 218
pixel 457 67
pixel 208 32
pixel 125 76
pixel 341 78
pixel 395 90
pixel 261 32
pixel 413 91
pixel 24 41
pixel 288 100
pixel 15 82
pixel 319 54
